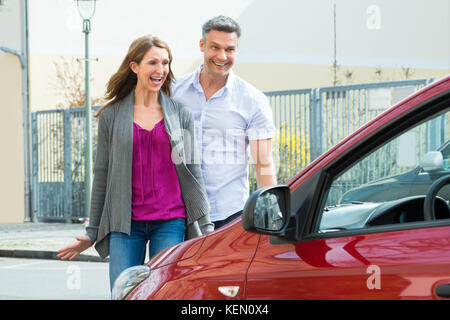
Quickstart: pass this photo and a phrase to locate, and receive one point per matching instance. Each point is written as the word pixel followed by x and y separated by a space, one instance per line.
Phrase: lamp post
pixel 335 64
pixel 86 9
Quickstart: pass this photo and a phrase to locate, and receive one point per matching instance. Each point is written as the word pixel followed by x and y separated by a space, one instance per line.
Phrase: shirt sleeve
pixel 261 125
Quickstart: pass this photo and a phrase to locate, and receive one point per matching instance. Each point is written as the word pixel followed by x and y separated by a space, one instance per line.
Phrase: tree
pixel 69 83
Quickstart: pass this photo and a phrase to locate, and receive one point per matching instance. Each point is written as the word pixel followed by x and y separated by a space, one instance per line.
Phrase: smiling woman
pixel 151 73
pixel 139 193
pixel 125 79
pixel 153 69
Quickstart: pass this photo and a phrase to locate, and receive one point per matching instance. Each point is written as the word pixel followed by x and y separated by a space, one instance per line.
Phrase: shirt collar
pixel 228 85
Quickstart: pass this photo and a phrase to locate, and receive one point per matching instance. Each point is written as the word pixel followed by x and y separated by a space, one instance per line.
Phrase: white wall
pixel 10 25
pixel 286 44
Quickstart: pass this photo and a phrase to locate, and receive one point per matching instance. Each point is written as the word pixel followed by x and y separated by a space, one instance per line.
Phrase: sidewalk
pixel 37 240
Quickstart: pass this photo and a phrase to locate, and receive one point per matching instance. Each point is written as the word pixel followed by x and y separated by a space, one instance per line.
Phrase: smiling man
pixel 231 118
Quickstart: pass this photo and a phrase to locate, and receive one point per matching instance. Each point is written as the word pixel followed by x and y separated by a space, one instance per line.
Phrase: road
pixel 37 279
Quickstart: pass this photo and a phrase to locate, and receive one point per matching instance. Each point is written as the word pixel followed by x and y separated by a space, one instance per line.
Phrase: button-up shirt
pixel 224 124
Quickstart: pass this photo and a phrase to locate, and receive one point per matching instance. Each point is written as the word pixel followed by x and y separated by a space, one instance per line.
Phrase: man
pixel 230 116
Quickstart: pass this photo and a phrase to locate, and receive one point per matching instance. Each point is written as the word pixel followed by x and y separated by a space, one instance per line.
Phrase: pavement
pixel 38 240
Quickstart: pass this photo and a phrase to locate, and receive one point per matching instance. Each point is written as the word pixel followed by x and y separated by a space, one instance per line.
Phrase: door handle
pixel 443 290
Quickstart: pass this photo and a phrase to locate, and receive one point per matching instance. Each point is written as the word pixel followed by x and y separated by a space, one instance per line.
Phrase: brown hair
pixel 124 80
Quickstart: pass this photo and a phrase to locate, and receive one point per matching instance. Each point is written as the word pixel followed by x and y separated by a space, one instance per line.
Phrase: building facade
pixel 285 44
pixel 13 92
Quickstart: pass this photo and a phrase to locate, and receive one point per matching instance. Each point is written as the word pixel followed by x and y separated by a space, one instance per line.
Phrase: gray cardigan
pixel 111 188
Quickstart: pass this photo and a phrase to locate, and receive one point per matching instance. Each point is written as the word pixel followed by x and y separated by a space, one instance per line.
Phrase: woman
pixel 146 185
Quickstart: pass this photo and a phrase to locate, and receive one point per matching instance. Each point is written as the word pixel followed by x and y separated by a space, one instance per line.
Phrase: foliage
pixel 291 153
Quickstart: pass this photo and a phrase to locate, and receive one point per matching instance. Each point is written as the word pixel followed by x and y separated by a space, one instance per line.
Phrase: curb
pixel 49 255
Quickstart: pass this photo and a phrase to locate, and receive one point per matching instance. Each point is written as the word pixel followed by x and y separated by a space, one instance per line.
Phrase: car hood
pixel 181 251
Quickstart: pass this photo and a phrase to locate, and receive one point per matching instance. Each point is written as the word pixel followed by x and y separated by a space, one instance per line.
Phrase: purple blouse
pixel 156 189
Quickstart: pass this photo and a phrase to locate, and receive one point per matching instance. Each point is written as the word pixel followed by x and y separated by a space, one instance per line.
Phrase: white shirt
pixel 224 125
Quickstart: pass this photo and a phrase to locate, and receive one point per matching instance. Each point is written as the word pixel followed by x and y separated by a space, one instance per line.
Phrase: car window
pixel 389 185
pixel 446 155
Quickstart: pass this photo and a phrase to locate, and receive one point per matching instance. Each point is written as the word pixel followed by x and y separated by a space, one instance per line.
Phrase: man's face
pixel 219 50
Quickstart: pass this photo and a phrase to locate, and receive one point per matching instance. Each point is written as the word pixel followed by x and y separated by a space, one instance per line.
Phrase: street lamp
pixel 86 9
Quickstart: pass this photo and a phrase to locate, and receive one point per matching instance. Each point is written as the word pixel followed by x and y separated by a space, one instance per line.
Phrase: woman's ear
pixel 134 67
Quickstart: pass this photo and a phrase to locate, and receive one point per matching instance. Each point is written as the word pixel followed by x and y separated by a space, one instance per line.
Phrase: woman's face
pixel 152 71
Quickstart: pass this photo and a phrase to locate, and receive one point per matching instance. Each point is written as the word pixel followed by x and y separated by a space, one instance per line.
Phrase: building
pixel 285 44
pixel 14 194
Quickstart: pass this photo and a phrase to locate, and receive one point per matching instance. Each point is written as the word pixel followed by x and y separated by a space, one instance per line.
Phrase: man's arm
pixel 261 152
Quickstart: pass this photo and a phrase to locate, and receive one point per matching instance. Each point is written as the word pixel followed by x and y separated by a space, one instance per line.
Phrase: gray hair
pixel 221 23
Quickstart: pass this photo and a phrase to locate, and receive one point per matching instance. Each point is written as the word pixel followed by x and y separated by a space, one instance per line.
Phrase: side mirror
pixel 432 161
pixel 267 210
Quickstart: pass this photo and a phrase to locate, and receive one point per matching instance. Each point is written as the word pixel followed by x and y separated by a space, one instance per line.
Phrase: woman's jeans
pixel 129 250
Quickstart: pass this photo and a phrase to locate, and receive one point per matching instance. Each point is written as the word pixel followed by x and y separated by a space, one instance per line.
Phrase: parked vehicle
pixel 302 241
pixel 417 181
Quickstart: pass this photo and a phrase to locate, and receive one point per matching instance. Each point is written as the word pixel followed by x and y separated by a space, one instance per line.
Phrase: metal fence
pixel 58 144
pixel 311 121
pixel 308 122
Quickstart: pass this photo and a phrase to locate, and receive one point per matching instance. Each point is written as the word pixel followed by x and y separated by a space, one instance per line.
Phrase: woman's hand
pixel 72 251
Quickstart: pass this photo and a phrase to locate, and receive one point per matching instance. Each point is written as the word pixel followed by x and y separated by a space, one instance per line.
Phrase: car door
pixel 409 264
pixel 382 249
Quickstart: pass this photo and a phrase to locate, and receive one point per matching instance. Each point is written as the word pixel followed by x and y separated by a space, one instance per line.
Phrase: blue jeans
pixel 129 250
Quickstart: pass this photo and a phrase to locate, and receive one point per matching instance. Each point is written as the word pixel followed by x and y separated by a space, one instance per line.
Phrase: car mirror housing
pixel 432 161
pixel 267 210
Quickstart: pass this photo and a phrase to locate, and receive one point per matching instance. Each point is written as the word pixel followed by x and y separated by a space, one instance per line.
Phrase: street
pixel 37 279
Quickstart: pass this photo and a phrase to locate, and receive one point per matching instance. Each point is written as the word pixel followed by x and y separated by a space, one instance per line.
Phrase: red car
pixel 303 241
